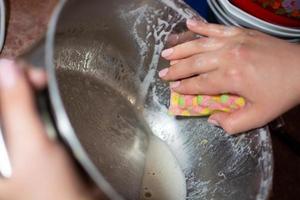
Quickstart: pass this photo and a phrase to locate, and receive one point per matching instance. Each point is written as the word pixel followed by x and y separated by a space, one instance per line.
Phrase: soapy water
pixel 163 178
pixel 185 13
pixel 158 27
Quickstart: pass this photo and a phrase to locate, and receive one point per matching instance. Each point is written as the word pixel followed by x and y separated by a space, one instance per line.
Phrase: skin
pixel 42 169
pixel 262 69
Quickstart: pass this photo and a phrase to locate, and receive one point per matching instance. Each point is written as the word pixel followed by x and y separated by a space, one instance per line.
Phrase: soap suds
pixel 163 177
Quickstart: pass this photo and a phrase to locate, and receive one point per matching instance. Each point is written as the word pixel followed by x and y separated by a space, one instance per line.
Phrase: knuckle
pixel 197 61
pixel 240 51
pixel 234 74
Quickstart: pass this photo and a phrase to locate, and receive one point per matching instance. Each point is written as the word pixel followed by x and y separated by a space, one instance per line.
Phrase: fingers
pixel 186 68
pixel 179 38
pixel 192 47
pixel 203 84
pixel 212 30
pixel 37 77
pixel 239 121
pixel 21 123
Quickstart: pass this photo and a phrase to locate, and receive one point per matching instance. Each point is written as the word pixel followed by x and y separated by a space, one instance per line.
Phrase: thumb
pixel 239 121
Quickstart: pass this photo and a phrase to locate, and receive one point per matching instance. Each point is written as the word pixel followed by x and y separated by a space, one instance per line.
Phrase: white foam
pixel 179 10
pixel 163 178
pixel 150 16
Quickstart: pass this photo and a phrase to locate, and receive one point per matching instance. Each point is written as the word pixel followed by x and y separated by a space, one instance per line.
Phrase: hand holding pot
pixel 41 167
pixel 262 69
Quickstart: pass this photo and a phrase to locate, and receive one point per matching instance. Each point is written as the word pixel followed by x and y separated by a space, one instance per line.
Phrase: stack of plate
pixel 228 14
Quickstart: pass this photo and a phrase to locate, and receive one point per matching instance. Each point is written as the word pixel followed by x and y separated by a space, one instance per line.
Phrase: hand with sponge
pixel 203 105
pixel 242 78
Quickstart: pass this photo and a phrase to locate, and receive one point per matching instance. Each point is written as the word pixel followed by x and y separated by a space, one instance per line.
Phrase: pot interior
pixel 107 58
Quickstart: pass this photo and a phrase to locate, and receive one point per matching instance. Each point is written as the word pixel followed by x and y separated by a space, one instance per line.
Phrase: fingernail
pixel 38 77
pixel 163 72
pixel 213 122
pixel 191 22
pixel 37 74
pixel 167 52
pixel 8 73
pixel 174 84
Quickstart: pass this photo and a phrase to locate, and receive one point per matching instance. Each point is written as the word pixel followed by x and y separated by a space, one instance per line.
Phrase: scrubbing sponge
pixel 203 105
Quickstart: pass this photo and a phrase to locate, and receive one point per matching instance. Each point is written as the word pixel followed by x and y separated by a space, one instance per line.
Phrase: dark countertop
pixel 27 24
pixel 286 147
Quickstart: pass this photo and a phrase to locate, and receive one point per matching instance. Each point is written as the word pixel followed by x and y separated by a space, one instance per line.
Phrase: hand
pixel 41 167
pixel 262 69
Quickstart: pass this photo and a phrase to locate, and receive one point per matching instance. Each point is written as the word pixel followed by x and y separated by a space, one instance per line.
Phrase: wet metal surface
pixel 117 45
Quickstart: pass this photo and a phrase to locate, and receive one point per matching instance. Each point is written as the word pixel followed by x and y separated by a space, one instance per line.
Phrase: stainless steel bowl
pixel 102 59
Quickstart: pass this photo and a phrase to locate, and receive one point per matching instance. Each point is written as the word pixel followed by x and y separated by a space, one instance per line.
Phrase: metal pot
pixel 102 59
